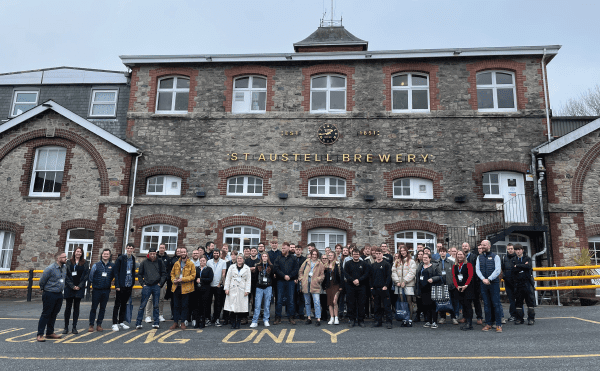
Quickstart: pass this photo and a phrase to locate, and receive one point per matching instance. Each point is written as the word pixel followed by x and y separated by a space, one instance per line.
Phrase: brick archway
pixel 418 225
pixel 144 174
pixel 497 64
pixel 250 221
pixel 340 69
pixel 487 167
pixel 326 223
pixel 81 223
pixel 349 175
pixel 585 165
pixel 265 175
pixel 140 223
pixel 422 173
pixel 430 69
pixel 232 73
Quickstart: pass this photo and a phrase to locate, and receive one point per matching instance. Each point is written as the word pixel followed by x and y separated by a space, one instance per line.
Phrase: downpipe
pixel 127 223
pixel 533 263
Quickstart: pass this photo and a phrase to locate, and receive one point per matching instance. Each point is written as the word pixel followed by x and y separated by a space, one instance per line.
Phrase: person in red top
pixel 462 275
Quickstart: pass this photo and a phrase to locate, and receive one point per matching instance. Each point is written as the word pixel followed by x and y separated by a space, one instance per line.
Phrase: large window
pixel 157 234
pixel 499 248
pixel 173 95
pixel 239 237
pixel 327 187
pixel 413 188
pixel 328 94
pixel 48 170
pixel 104 103
pixel 164 185
pixel 412 238
pixel 410 93
pixel 324 237
pixel 7 241
pixel 496 91
pixel 594 246
pixel 249 94
pixel 244 186
pixel 23 101
pixel 80 237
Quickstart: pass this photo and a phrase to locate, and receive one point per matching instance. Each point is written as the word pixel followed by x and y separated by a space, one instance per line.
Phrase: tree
pixel 587 104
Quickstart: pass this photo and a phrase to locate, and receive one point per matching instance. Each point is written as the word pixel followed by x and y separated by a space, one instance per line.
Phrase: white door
pixel 83 238
pixel 499 248
pixel 513 193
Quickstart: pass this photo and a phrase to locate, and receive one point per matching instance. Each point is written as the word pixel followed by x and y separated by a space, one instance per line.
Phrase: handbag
pixel 402 310
pixel 444 306
pixel 440 293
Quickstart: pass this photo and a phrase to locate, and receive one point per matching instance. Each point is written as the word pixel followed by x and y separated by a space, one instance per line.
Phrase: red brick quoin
pixel 232 73
pixel 250 221
pixel 326 223
pixel 340 69
pixel 429 69
pixel 160 72
pixel 486 167
pixel 265 175
pixel 349 175
pixel 414 225
pixel 143 175
pixel 140 223
pixel 497 64
pixel 17 246
pixel 583 168
pixel 390 176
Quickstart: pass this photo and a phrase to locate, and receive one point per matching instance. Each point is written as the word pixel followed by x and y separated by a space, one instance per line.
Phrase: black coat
pixel 152 273
pixel 268 274
pixel 333 276
pixel 206 277
pixel 79 280
pixel 120 270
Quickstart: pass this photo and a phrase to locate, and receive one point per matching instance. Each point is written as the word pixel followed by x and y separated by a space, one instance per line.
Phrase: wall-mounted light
pixel 200 194
pixel 283 196
pixel 369 198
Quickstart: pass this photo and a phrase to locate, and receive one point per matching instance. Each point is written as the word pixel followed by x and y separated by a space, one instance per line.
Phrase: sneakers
pixel 499 329
pixel 40 338
pixel 409 323
pixel 115 327
pixel 442 321
pixel 154 326
pixel 330 321
pixel 427 324
pixel 161 319
pixel 266 323
pixel 138 327
pixel 376 324
pixel 253 325
pixel 124 326
pixel 531 322
pixel 454 321
pixel 494 326
pixel 149 320
pixel 194 323
pixel 185 323
pixel 503 321
pixel 511 319
pixel 336 321
pixel 218 323
pixel 434 325
pixel 486 328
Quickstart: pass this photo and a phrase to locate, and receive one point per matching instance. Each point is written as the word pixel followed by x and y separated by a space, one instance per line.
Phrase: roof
pixel 63 75
pixel 551 51
pixel 569 138
pixel 562 125
pixel 331 36
pixel 51 105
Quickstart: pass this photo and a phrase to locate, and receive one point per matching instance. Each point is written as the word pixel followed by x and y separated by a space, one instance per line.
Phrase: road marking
pixel 12 339
pixel 6 331
pixel 577 318
pixel 278 339
pixel 334 335
pixel 290 338
pixel 586 320
pixel 232 333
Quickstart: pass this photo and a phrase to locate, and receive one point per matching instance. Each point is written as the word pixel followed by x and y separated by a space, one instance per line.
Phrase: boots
pixel 530 316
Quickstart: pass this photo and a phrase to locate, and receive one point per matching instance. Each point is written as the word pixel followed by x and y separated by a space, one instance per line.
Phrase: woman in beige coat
pixel 403 274
pixel 237 288
pixel 311 276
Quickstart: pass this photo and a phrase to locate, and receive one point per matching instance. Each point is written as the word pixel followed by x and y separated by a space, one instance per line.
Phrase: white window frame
pixel 594 246
pixel 94 102
pixel 7 245
pixel 490 184
pixel 327 232
pixel 415 188
pixel 34 171
pixel 245 186
pixel 248 237
pixel 174 90
pixel 167 186
pixel 495 88
pixel 514 238
pixel 327 185
pixel 247 94
pixel 161 235
pixel 430 240
pixel 410 88
pixel 328 89
pixel 87 248
pixel 14 101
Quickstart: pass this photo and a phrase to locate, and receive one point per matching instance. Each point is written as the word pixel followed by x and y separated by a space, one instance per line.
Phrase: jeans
pixel 263 297
pixel 121 299
pixel 52 301
pixel 317 302
pixel 285 290
pixel 491 300
pixel 180 305
pixel 153 290
pixel 161 303
pixel 99 296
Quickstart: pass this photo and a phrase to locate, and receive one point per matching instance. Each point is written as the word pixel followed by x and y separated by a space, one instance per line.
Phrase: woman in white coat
pixel 237 288
pixel 403 274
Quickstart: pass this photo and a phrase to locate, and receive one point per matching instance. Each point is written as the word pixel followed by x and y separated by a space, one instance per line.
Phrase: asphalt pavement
pixel 562 338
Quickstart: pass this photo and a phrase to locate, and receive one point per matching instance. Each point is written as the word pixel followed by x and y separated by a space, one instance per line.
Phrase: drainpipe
pixel 539 185
pixel 546 95
pixel 127 223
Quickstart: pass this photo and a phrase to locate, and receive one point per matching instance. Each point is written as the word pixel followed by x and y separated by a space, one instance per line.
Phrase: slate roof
pixel 331 36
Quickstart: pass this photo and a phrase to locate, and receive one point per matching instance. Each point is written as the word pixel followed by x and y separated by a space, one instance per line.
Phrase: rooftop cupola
pixel 331 36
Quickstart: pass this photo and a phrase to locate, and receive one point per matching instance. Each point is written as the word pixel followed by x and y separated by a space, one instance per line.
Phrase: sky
pixel 93 34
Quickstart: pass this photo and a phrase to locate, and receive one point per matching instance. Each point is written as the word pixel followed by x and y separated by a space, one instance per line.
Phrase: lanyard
pixel 443 265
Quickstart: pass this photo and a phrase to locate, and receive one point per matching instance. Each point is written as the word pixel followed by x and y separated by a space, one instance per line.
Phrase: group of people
pixel 341 285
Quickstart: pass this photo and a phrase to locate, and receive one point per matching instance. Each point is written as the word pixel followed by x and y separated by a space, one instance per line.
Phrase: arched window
pixel 244 186
pixel 326 237
pixel 328 94
pixel 157 234
pixel 594 246
pixel 7 242
pixel 80 237
pixel 412 238
pixel 496 91
pixel 327 187
pixel 173 95
pixel 410 92
pixel 414 188
pixel 166 185
pixel 249 94
pixel 48 169
pixel 499 248
pixel 240 237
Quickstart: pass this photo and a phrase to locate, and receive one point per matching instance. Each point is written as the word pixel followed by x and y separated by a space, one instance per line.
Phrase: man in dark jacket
pixel 251 262
pixel 152 276
pixel 507 266
pixel 299 303
pixel 101 276
pixel 162 255
pixel 356 273
pixel 204 277
pixel 286 268
pixel 521 275
pixel 124 280
pixel 381 278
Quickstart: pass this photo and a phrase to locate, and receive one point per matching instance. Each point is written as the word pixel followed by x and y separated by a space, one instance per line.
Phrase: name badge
pixel 104 274
pixel 490 258
pixel 460 277
pixel 128 272
pixel 61 280
pixel 310 274
pixel 421 278
pixel 73 273
pixel 265 279
pixel 444 273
